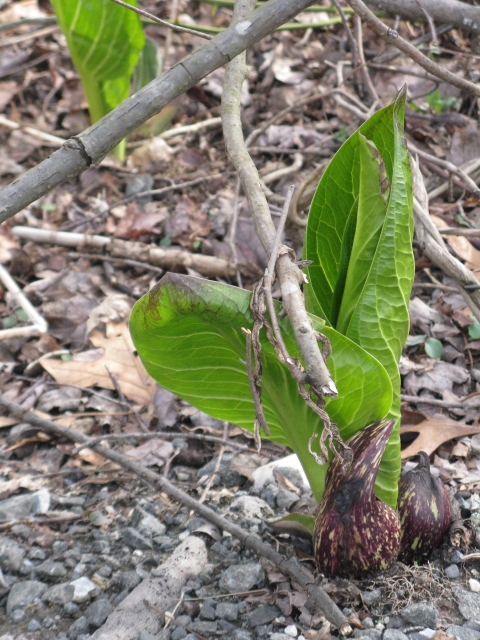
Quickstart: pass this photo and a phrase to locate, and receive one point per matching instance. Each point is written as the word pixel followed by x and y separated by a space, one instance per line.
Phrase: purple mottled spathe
pixel 354 531
pixel 424 509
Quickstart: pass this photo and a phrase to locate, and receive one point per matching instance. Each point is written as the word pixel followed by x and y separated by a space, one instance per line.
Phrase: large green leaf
pixel 188 333
pixel 105 41
pixel 374 306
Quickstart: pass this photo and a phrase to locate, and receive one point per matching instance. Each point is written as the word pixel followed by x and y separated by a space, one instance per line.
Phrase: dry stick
pixel 91 146
pixel 168 37
pixel 172 187
pixel 449 166
pixel 459 14
pixel 312 178
pixel 435 402
pixel 357 25
pixel 392 37
pixel 255 390
pixel 467 168
pixel 289 275
pixel 252 541
pixel 436 251
pixel 122 261
pixel 175 27
pixel 213 475
pixel 348 31
pixel 162 435
pixel 431 24
pixel 39 325
pixel 166 257
pixel 459 231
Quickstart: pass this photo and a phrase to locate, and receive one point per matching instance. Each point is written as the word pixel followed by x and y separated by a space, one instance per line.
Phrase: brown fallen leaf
pixel 462 246
pixel 115 354
pixel 433 432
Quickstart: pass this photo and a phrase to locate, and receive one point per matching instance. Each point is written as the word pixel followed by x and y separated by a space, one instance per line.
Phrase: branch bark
pixel 391 36
pixel 91 146
pixel 289 275
pixel 302 577
pixel 458 14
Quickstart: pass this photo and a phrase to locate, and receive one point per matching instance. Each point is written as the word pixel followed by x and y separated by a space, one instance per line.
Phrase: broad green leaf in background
pixel 148 65
pixel 375 317
pixel 188 333
pixel 105 41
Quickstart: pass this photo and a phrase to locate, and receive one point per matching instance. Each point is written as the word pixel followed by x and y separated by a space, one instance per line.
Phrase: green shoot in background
pixel 105 41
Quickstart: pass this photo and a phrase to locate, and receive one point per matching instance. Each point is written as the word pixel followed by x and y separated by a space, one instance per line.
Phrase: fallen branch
pixel 91 146
pixel 289 275
pixel 143 610
pixel 164 257
pixel 392 37
pixel 299 575
pixel 458 14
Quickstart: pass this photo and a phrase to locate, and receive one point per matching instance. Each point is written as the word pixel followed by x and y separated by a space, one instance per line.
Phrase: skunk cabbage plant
pixel 189 335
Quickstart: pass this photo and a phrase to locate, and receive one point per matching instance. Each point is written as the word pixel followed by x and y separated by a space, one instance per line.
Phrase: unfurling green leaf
pixel 296 524
pixel 368 179
pixel 188 333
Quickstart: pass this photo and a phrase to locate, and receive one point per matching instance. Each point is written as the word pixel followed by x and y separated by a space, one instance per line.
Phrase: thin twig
pixel 445 404
pixel 123 261
pixel 459 231
pixel 165 436
pixel 255 389
pixel 39 323
pixel 252 541
pixel 431 24
pixel 289 275
pixel 348 31
pixel 174 27
pixel 172 187
pixel 357 25
pixel 467 168
pixel 392 37
pixel 213 475
pixel 449 166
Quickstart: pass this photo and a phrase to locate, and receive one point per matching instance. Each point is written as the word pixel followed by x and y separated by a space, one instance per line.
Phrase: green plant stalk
pixel 105 41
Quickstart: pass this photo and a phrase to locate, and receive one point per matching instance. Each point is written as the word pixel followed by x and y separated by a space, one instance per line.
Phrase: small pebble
pixel 452 571
pixel 17 616
pixel 291 631
pixel 34 625
pixel 474 585
pixel 372 597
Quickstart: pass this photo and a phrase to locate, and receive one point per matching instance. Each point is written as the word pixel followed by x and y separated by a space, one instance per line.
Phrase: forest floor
pixel 68 516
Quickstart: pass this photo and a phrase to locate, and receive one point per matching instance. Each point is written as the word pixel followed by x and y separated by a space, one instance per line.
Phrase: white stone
pixel 474 585
pixel 84 589
pixel 291 631
pixel 264 474
pixel 184 535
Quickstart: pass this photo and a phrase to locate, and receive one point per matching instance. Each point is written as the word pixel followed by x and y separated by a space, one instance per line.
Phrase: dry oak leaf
pixel 114 353
pixel 462 247
pixel 433 432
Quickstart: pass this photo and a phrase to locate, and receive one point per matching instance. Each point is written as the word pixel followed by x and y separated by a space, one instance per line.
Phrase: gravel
pixel 63 585
pixel 237 579
pixel 421 615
